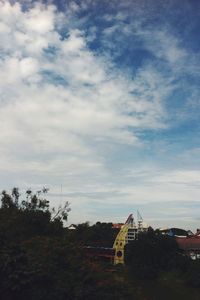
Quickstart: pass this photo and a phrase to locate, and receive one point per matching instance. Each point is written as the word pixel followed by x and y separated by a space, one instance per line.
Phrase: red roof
pixel 117 225
pixel 189 243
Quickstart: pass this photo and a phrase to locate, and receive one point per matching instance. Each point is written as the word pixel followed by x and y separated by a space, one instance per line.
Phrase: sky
pixel 100 102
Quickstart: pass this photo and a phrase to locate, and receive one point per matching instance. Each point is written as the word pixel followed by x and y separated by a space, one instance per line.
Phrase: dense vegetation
pixel 99 234
pixel 40 259
pixel 153 253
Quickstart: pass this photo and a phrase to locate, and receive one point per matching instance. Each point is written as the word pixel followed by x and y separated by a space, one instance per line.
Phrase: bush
pixel 150 254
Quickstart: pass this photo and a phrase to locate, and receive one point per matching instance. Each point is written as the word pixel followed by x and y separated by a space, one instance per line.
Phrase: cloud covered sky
pixel 102 98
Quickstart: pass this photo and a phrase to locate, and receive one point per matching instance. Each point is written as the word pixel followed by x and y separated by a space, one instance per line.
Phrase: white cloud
pixel 65 108
pixel 40 20
pixel 94 95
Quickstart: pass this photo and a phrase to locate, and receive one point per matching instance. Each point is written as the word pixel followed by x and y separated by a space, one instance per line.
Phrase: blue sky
pixel 103 99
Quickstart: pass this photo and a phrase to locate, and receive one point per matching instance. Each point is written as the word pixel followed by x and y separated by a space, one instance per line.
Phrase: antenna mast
pixel 140 221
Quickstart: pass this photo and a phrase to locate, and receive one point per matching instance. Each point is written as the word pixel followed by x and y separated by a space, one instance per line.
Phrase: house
pixel 190 245
pixel 72 227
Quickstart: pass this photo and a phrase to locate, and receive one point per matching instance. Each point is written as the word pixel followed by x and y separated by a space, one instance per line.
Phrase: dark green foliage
pixel 20 220
pixel 99 234
pixel 193 274
pixel 51 268
pixel 38 260
pixel 35 201
pixel 43 268
pixel 150 254
pixel 7 201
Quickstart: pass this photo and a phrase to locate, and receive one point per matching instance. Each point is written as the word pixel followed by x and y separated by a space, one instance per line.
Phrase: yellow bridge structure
pixel 128 232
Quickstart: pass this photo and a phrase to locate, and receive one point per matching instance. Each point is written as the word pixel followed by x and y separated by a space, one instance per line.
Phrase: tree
pixel 61 213
pixel 99 234
pixel 38 261
pixel 22 219
pixel 16 195
pixel 34 202
pixel 150 254
pixel 7 201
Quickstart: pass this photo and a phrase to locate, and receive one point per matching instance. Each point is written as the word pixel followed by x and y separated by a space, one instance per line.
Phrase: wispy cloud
pixel 79 104
pixel 64 85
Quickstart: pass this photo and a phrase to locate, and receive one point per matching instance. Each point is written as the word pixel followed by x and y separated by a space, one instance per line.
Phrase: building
pixel 176 232
pixel 72 227
pixel 190 245
pixel 117 225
